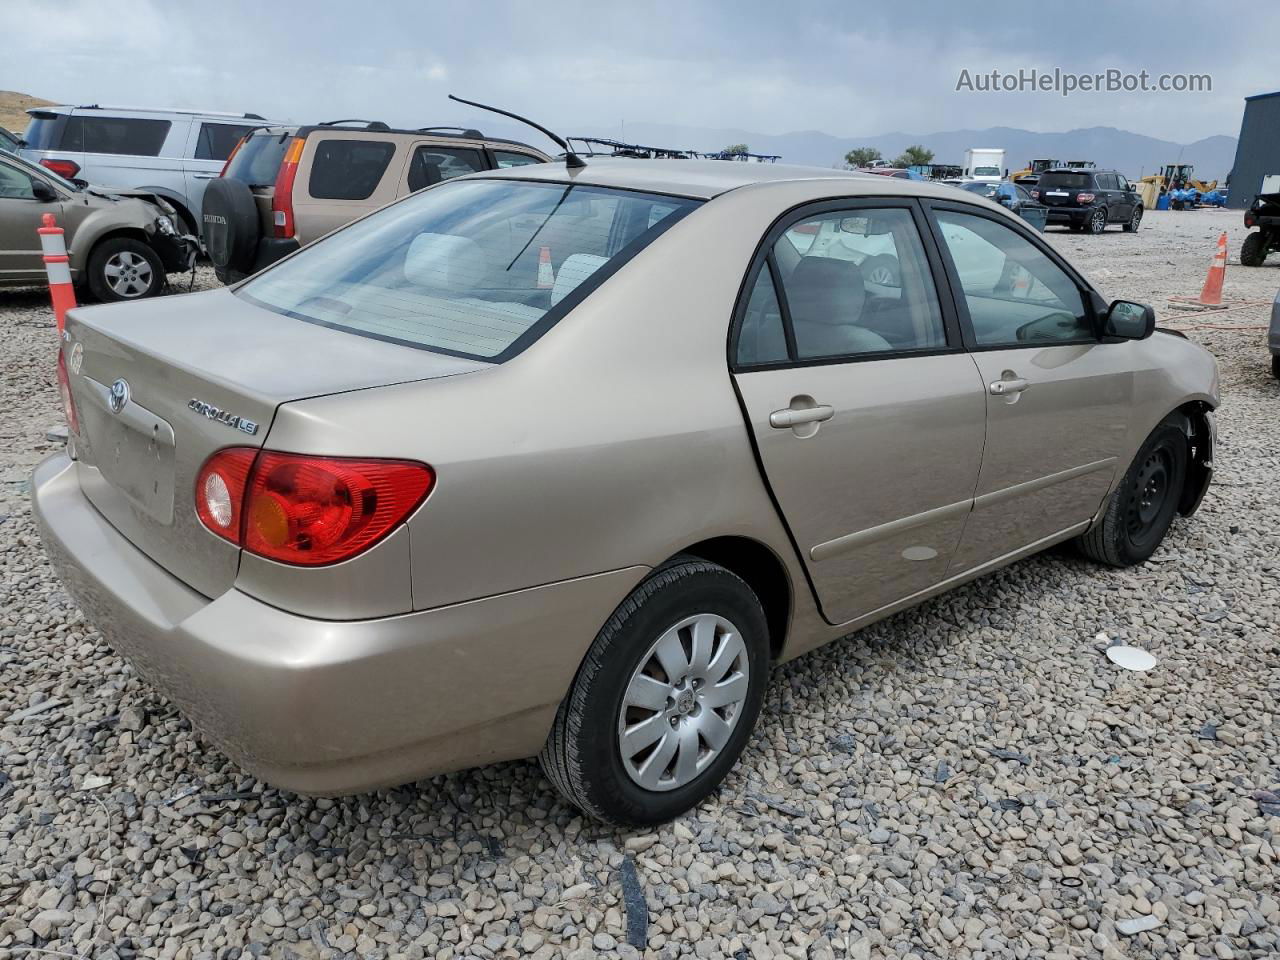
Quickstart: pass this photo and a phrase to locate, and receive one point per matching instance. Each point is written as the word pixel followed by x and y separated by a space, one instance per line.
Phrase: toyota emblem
pixel 118 396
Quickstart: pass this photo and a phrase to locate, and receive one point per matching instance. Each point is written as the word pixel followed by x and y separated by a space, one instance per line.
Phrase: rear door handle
pixel 205 176
pixel 1003 388
pixel 790 417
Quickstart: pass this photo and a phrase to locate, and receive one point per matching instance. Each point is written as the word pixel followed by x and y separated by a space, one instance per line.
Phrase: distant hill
pixel 13 109
pixel 1131 153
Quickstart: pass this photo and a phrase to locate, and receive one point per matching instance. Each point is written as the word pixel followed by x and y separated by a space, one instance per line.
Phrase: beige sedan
pixel 559 462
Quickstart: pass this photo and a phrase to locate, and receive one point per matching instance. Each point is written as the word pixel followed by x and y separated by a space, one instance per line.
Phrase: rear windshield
pixel 42 131
pixel 473 268
pixel 257 162
pixel 1064 181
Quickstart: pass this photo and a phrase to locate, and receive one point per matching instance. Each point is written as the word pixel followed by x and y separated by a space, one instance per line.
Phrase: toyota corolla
pixel 559 461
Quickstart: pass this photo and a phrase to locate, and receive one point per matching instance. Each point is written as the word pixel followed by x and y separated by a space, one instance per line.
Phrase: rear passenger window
pixel 217 140
pixel 507 158
pixel 431 165
pixel 857 282
pixel 129 136
pixel 348 169
pixel 761 338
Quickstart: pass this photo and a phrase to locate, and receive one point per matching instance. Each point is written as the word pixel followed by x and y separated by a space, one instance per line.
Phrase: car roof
pixel 443 134
pixel 148 111
pixel 704 179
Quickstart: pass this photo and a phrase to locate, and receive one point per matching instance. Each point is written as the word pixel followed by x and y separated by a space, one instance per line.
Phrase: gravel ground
pixel 971 778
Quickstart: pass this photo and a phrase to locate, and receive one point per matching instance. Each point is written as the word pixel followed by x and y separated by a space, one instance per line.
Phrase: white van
pixel 171 153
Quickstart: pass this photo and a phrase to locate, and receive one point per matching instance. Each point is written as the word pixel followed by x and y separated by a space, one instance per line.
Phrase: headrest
pixel 576 268
pixel 825 290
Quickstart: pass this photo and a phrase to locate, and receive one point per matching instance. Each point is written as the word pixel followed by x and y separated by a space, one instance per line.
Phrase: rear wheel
pixel 1141 509
pixel 666 698
pixel 1275 367
pixel 1254 250
pixel 1097 221
pixel 1135 221
pixel 882 269
pixel 121 268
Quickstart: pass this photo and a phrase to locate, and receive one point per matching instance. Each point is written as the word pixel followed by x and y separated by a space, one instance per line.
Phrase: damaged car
pixel 122 244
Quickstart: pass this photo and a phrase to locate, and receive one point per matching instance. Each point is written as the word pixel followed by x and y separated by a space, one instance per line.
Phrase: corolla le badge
pixel 217 413
pixel 118 396
pixel 77 357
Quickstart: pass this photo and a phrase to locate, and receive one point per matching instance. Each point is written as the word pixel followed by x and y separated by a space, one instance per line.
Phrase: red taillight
pixel 68 401
pixel 305 510
pixel 63 168
pixel 1249 219
pixel 1085 198
pixel 282 202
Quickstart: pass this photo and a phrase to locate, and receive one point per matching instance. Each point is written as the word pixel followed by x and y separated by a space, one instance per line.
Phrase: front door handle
pixel 205 176
pixel 1003 388
pixel 793 417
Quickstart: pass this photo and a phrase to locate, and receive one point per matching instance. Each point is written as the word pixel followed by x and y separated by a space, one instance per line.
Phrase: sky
pixel 845 68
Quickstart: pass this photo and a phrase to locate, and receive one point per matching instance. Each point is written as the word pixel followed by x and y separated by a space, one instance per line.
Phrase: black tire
pixel 1275 367
pixel 1135 220
pixel 1141 509
pixel 122 269
pixel 1097 221
pixel 1253 252
pixel 231 227
pixel 582 757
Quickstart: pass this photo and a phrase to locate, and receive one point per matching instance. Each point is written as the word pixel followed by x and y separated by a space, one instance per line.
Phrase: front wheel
pixel 1254 250
pixel 1141 509
pixel 1135 221
pixel 1097 221
pixel 121 268
pixel 666 698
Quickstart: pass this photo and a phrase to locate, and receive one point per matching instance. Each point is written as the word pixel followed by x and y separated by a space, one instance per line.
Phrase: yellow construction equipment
pixel 1031 173
pixel 1179 176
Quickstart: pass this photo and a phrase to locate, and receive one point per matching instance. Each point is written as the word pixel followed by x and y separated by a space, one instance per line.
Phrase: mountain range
pixel 1131 153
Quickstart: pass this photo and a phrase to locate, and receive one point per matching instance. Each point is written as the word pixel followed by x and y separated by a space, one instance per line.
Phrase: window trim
pixel 764 255
pixel 1088 296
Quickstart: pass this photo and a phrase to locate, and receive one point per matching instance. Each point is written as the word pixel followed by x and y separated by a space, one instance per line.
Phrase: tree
pixel 861 157
pixel 734 149
pixel 914 155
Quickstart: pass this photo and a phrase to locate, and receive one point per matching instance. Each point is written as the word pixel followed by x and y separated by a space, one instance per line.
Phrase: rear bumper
pixel 330 707
pixel 176 253
pixel 1069 214
pixel 269 250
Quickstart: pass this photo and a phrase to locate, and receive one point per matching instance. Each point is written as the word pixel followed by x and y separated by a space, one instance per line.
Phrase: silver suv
pixel 170 153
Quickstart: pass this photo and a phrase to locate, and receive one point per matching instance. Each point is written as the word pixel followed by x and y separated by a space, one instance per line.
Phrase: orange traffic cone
pixel 58 267
pixel 547 278
pixel 1211 295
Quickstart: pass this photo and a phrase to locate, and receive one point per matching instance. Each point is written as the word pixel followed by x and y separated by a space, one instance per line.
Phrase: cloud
pixel 847 69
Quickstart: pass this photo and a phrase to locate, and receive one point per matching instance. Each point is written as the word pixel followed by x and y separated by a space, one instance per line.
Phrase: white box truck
pixel 984 163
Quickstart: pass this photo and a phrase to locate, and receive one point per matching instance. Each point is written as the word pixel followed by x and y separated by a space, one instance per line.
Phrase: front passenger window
pixel 1015 294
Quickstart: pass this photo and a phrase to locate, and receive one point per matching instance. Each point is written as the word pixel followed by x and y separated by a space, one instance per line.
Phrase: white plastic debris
pixel 1131 658
pixel 1136 925
pixel 94 782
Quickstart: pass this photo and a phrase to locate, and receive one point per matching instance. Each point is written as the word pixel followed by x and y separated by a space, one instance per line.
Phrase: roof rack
pixel 368 124
pixel 190 113
pixel 617 148
pixel 471 132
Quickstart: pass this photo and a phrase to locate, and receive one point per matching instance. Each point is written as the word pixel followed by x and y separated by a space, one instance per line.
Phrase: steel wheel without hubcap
pixel 127 274
pixel 1150 492
pixel 683 702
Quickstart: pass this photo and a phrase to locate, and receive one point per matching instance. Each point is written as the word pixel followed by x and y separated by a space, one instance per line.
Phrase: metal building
pixel 1258 151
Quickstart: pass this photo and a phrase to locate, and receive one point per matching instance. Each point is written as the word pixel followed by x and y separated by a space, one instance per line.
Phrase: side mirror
pixel 1127 320
pixel 42 191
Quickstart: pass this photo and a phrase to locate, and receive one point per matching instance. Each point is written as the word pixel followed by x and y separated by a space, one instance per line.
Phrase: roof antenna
pixel 571 159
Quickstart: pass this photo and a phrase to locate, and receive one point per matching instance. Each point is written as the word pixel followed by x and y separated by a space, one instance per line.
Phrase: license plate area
pixel 132 449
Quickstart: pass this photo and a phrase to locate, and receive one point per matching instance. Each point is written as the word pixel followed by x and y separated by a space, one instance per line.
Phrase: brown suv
pixel 284 186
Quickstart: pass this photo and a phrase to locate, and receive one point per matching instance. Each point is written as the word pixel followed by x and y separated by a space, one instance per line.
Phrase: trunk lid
pixel 197 373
